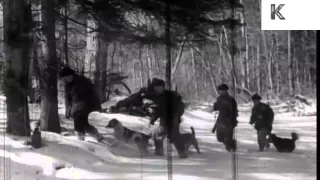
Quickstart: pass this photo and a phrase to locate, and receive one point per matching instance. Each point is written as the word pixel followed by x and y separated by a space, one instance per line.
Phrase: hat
pixel 256 97
pixel 157 82
pixel 66 72
pixel 223 87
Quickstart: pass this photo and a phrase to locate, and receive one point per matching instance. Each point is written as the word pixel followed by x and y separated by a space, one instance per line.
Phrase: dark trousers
pixel 82 126
pixel 225 136
pixel 173 135
pixel 262 138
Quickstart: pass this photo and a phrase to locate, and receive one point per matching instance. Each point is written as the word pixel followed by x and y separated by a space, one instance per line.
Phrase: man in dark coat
pixel 81 100
pixel 132 105
pixel 169 108
pixel 262 117
pixel 227 118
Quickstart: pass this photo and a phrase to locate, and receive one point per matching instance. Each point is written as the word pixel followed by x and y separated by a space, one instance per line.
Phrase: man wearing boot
pixel 81 100
pixel 169 109
pixel 262 117
pixel 227 118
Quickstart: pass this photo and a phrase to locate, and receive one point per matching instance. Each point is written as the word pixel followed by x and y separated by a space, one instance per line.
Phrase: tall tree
pixel 49 101
pixel 17 40
pixel 168 45
pixel 290 65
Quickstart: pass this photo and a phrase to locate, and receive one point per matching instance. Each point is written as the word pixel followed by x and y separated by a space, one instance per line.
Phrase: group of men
pixel 82 99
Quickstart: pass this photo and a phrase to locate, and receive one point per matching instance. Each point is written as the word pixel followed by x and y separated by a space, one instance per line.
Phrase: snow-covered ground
pixel 64 157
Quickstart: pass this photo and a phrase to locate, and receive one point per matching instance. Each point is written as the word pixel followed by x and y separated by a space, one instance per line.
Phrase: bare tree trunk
pixel 194 70
pixel 97 72
pixel 242 69
pixel 178 58
pixel 65 45
pixel 49 102
pixel 258 75
pixel 258 58
pixel 17 19
pixel 290 64
pixel 299 59
pixel 149 62
pixel 278 74
pixel 205 80
pixel 35 74
pixel 91 48
pixel 104 62
pixel 133 70
pixel 213 81
pixel 245 62
pixel 66 37
pixel 270 65
pixel 187 77
pixel 114 46
pixel 209 69
pixel 168 77
pixel 120 59
pixel 156 59
pixel 141 66
pixel 305 80
pixel 297 79
pixel 278 78
pixel 269 60
pixel 112 66
pixel 168 47
pixel 310 82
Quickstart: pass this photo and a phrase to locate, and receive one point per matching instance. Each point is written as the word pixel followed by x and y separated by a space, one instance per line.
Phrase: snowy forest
pixel 194 45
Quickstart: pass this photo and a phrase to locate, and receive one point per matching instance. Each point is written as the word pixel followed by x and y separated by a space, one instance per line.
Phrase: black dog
pixel 190 139
pixel 284 144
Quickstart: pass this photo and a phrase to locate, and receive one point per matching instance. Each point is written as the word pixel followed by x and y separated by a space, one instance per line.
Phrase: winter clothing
pixel 132 105
pixel 169 109
pixel 157 82
pixel 66 72
pixel 133 100
pixel 81 100
pixel 262 139
pixel 262 116
pixel 225 136
pixel 223 87
pixel 228 110
pixel 256 97
pixel 227 120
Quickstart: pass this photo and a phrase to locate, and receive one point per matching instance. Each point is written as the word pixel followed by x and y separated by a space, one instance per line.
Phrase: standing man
pixel 262 117
pixel 169 109
pixel 81 100
pixel 227 118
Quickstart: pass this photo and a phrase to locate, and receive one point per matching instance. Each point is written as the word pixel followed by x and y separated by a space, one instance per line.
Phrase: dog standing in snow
pixel 123 134
pixel 190 139
pixel 284 144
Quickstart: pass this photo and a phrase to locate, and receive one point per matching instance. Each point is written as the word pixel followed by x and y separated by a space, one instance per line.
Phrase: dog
pixel 190 139
pixel 284 144
pixel 123 134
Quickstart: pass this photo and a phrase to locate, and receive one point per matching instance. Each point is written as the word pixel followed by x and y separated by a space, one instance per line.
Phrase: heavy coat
pixel 228 111
pixel 169 108
pixel 262 116
pixel 82 97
